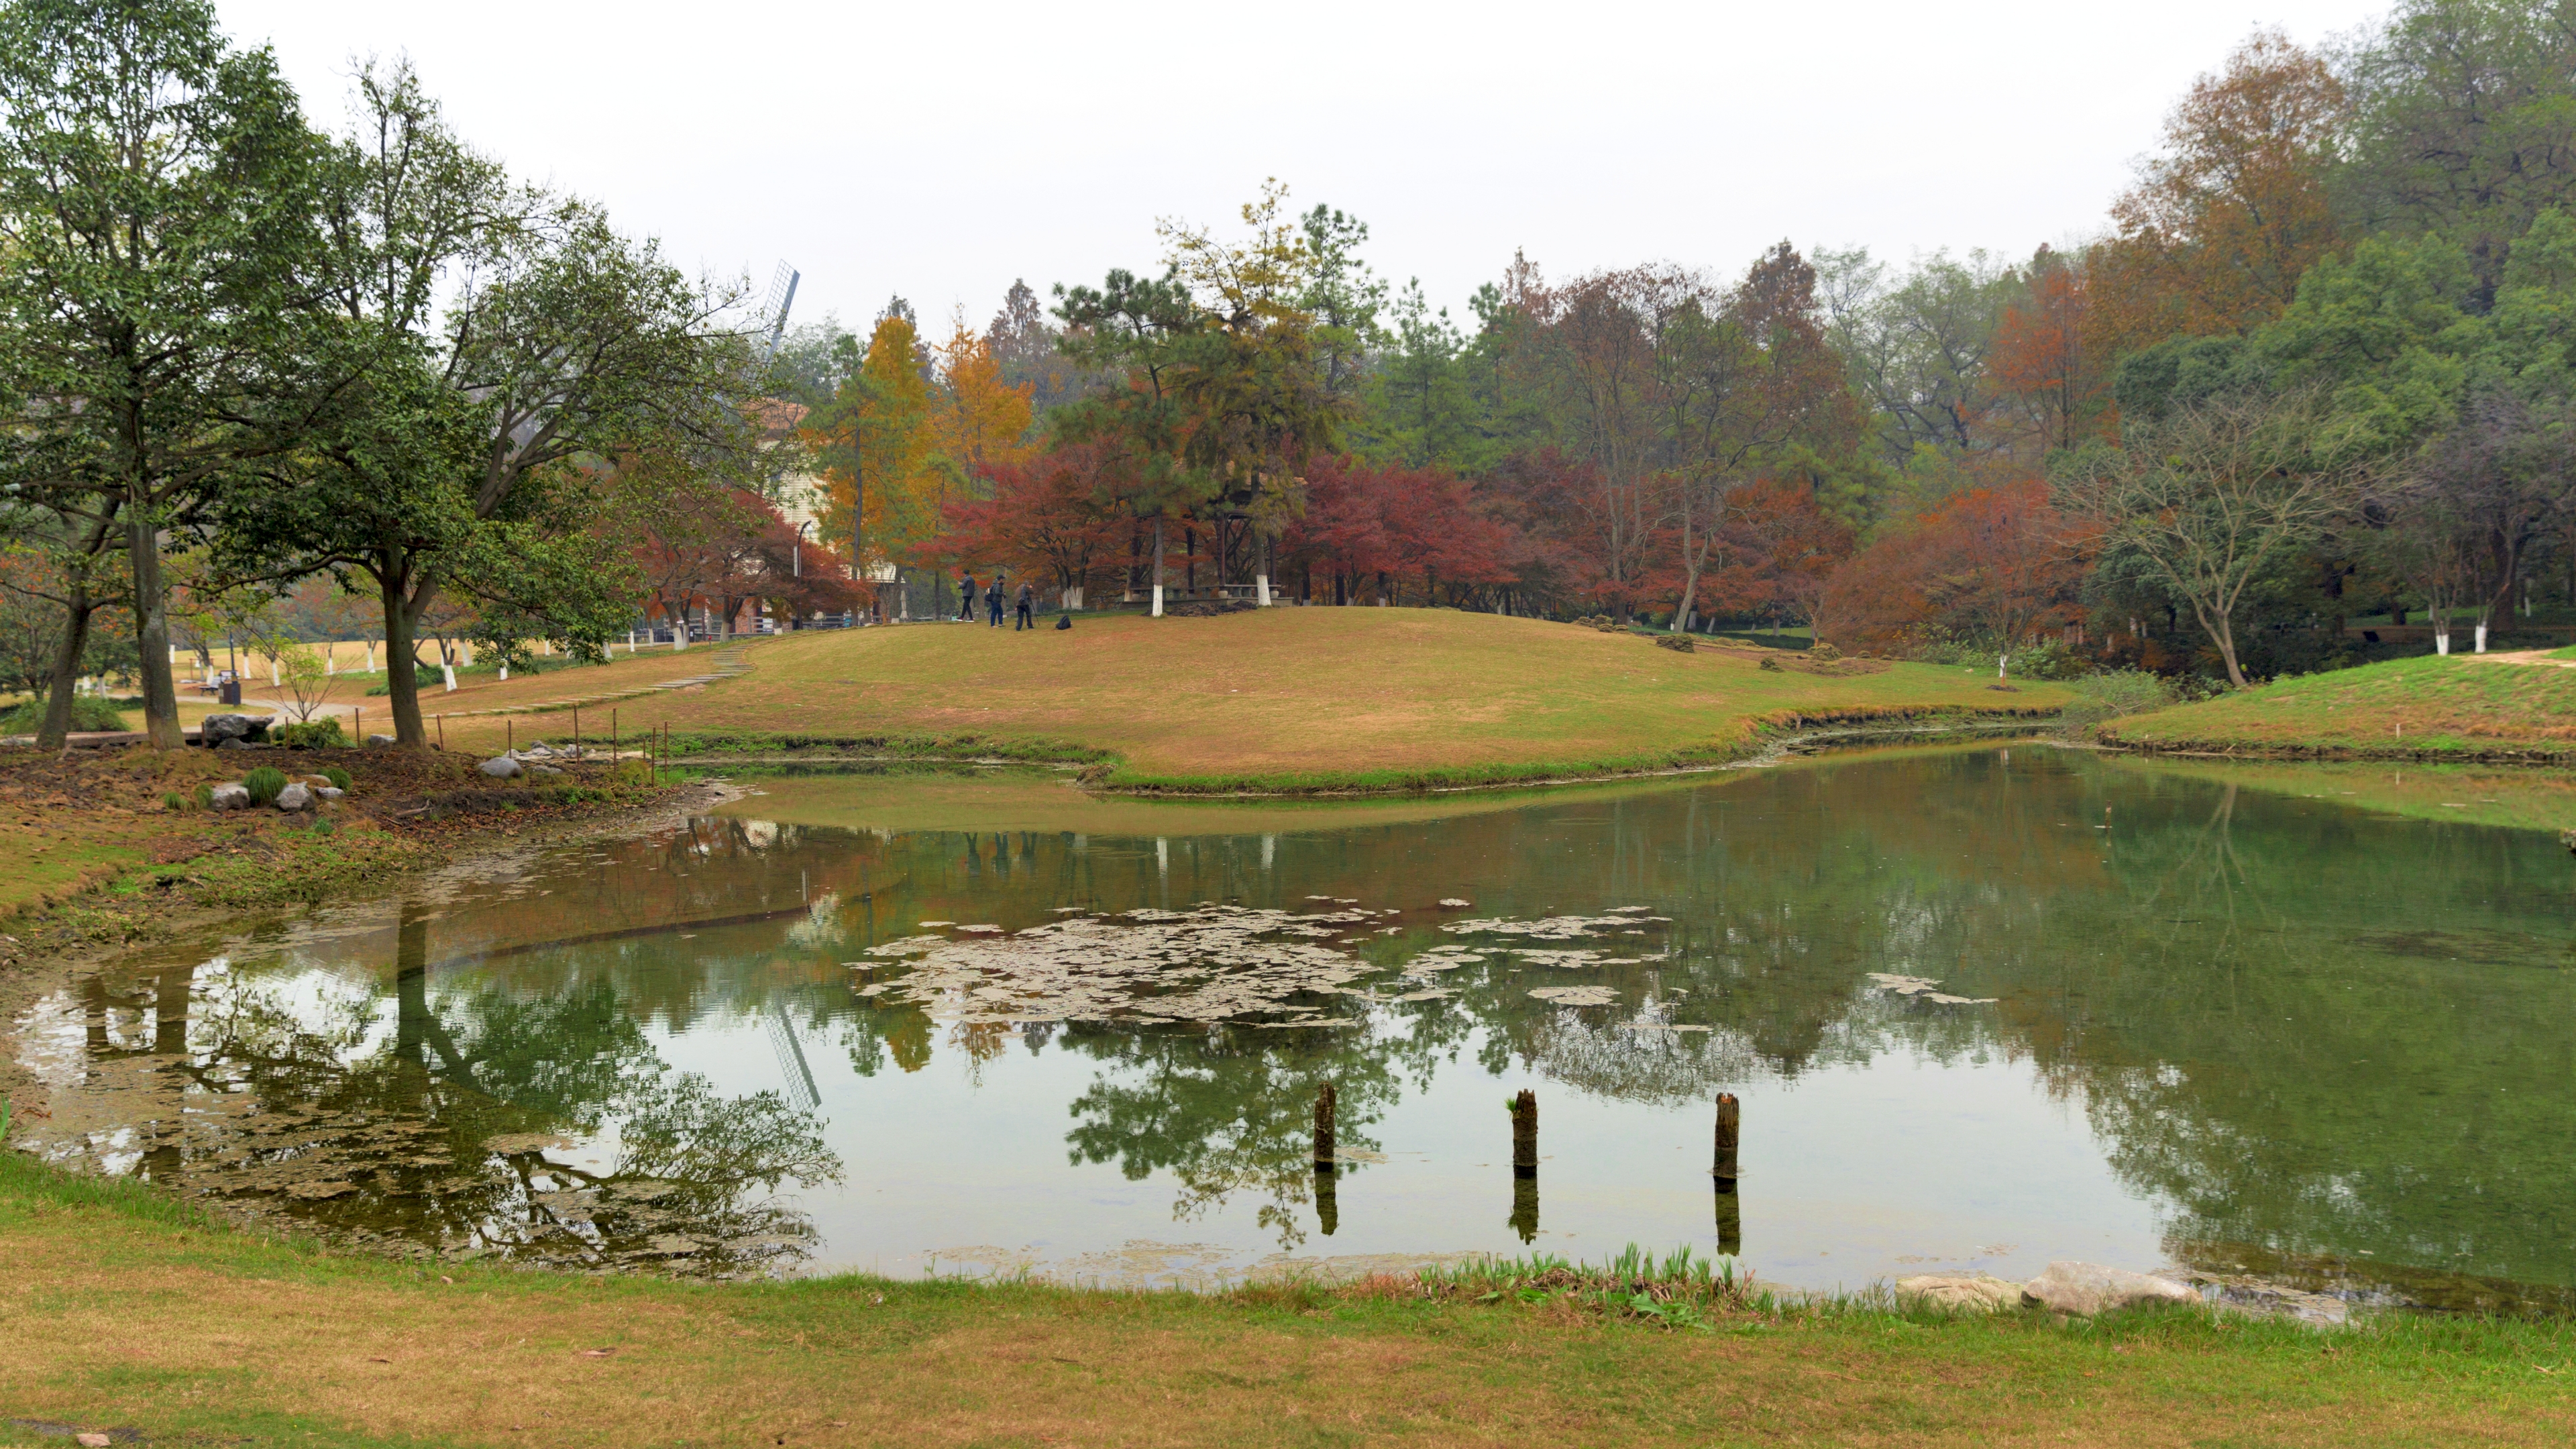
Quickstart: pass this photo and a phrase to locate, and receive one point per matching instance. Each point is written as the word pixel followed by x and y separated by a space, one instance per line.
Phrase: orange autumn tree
pixel 978 421
pixel 1985 564
pixel 875 441
pixel 2038 356
pixel 2216 234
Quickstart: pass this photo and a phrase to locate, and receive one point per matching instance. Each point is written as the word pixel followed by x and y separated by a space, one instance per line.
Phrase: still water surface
pixel 1984 1008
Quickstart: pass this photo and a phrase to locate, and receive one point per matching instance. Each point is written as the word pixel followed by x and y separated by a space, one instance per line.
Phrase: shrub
pixel 263 784
pixel 633 773
pixel 205 797
pixel 338 777
pixel 2110 693
pixel 2050 659
pixel 89 712
pixel 312 734
pixel 174 802
pixel 1824 651
pixel 1679 642
pixel 324 826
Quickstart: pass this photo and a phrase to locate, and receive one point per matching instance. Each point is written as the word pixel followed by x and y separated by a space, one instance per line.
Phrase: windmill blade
pixel 774 307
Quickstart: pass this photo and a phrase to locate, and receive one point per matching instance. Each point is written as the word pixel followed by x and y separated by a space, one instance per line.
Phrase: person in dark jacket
pixel 965 598
pixel 1028 597
pixel 993 601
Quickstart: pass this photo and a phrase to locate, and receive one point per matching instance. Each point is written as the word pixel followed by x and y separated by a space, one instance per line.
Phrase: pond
pixel 1983 1008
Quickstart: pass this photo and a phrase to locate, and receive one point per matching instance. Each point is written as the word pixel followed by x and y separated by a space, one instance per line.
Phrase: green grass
pixel 127 1309
pixel 2463 708
pixel 1317 700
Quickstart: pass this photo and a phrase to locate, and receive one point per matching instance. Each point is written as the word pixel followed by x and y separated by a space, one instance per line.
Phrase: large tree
pixel 515 347
pixel 157 198
pixel 2210 498
pixel 1223 394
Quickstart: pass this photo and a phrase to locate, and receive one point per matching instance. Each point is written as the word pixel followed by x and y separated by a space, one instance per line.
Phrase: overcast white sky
pixel 940 150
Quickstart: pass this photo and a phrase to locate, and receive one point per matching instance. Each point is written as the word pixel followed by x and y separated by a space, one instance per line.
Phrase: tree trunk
pixel 402 666
pixel 66 672
pixel 152 631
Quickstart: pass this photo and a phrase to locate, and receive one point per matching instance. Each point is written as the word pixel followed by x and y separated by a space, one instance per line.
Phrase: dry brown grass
pixel 1294 695
pixel 116 1320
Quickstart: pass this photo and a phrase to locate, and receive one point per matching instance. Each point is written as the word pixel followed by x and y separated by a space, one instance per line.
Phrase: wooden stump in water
pixel 1525 1134
pixel 1324 1148
pixel 1328 1212
pixel 1730 1221
pixel 1729 1121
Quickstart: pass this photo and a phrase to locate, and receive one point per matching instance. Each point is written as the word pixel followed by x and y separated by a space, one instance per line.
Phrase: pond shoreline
pixel 1768 744
pixel 117 912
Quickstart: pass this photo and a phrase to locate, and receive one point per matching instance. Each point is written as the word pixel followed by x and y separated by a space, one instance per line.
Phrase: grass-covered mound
pixel 2464 707
pixel 1299 699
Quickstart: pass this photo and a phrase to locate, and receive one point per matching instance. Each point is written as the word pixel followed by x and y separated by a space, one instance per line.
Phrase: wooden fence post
pixel 1525 1134
pixel 1729 1123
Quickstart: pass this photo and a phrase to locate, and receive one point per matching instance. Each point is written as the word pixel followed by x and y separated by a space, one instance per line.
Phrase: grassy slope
pixel 146 1315
pixel 1297 697
pixel 2462 707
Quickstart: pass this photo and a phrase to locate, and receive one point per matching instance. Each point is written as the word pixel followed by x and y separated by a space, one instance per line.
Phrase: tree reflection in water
pixel 2298 1029
pixel 455 1133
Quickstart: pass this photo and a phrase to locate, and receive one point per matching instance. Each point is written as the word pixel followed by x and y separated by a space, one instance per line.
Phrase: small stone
pixel 1959 1292
pixel 543 770
pixel 294 797
pixel 329 793
pixel 2086 1289
pixel 232 796
pixel 500 767
pixel 92 1441
pixel 380 742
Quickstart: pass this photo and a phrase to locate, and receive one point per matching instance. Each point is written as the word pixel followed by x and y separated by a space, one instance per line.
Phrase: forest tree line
pixel 2314 365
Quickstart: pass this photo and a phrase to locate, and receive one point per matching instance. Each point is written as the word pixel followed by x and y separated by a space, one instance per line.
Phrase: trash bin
pixel 232 691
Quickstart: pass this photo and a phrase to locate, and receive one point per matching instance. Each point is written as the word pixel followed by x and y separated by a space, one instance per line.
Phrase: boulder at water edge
pixel 230 796
pixel 296 796
pixel 215 729
pixel 500 767
pixel 2085 1289
pixel 1959 1292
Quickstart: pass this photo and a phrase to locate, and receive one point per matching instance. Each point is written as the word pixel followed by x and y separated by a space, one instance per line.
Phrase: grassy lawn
pixel 2464 707
pixel 149 1317
pixel 1296 698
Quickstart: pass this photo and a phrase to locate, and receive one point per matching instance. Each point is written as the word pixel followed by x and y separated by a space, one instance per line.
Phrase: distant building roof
pixel 777 416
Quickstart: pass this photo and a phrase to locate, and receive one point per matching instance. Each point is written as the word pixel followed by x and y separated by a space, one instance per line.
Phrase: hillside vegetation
pixel 2464 707
pixel 1315 698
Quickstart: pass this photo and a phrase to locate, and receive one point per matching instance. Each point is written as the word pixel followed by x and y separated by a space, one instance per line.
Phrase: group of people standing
pixel 993 597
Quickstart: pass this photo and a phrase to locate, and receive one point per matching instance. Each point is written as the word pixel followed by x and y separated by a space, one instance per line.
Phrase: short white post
pixel 1261 589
